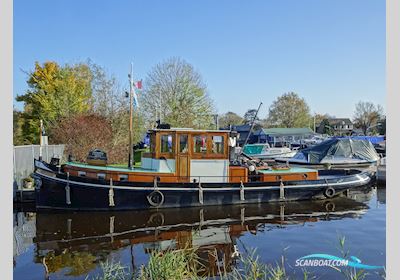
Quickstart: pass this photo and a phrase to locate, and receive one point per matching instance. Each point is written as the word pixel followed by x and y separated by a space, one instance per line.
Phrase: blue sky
pixel 332 53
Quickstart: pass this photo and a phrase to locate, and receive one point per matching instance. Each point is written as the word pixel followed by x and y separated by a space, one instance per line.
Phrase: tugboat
pixel 184 168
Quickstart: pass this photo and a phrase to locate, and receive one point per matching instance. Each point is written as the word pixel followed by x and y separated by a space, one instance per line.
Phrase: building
pixel 336 126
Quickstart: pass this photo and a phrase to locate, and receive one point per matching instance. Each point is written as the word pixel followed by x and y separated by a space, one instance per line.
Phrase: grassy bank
pixel 186 264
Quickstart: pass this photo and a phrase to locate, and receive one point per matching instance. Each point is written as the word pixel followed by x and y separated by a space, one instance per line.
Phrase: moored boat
pixel 265 151
pixel 184 168
pixel 336 153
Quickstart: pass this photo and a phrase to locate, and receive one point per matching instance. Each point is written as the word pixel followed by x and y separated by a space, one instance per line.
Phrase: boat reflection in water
pixel 79 241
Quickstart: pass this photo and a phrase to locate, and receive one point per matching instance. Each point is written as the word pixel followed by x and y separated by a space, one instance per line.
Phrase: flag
pixel 139 84
pixel 135 99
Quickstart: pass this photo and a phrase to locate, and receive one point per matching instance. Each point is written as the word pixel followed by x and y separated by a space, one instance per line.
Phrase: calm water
pixel 71 245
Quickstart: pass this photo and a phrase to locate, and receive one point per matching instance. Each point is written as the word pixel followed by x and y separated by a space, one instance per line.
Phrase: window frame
pixel 194 144
pixel 169 155
pixel 212 144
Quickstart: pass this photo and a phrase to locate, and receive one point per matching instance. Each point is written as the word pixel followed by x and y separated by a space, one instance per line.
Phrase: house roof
pixel 284 131
pixel 243 127
pixel 334 121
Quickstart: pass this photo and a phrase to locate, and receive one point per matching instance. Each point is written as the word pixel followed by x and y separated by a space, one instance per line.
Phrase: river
pixel 61 245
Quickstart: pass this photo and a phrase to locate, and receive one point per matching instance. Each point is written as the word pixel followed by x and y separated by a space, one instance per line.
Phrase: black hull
pixel 55 191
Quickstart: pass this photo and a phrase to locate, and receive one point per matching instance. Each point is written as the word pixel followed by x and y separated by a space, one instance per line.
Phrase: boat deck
pixel 114 168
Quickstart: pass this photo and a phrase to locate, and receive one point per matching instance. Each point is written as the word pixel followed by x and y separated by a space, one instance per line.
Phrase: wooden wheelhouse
pixel 175 156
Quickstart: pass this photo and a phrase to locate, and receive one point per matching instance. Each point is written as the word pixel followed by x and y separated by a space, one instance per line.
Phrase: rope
pixel 69 224
pixel 201 214
pixel 242 216
pixel 282 212
pixel 282 191
pixel 200 194
pixel 111 195
pixel 155 185
pixel 112 218
pixel 241 190
pixel 67 191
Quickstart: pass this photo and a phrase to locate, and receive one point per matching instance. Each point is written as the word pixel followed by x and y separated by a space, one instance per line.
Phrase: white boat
pixel 265 151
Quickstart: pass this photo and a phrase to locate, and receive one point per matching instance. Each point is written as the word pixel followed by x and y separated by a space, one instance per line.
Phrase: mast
pixel 252 125
pixel 130 76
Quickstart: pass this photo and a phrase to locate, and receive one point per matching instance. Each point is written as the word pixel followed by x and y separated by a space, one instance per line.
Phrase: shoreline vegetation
pixel 186 264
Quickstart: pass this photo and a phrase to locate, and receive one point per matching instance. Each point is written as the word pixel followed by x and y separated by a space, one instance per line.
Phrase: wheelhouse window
pixel 81 173
pixel 218 144
pixel 183 143
pixel 166 143
pixel 101 176
pixel 200 144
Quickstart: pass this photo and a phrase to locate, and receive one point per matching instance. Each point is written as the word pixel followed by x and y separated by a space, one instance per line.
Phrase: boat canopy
pixel 338 150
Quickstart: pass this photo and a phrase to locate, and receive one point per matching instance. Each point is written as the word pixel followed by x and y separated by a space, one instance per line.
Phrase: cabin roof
pixel 283 131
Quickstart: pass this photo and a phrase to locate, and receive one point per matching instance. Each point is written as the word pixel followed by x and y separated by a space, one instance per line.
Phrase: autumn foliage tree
pixel 54 92
pixel 82 133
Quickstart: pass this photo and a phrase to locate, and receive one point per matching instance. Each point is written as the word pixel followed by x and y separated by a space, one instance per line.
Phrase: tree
pixel 324 127
pixel 109 101
pixel 82 133
pixel 367 115
pixel 229 118
pixel 289 110
pixel 17 128
pixel 250 115
pixel 382 126
pixel 319 118
pixel 179 89
pixel 54 92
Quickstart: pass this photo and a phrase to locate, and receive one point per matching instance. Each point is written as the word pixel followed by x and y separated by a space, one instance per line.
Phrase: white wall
pixel 209 167
pixel 159 165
